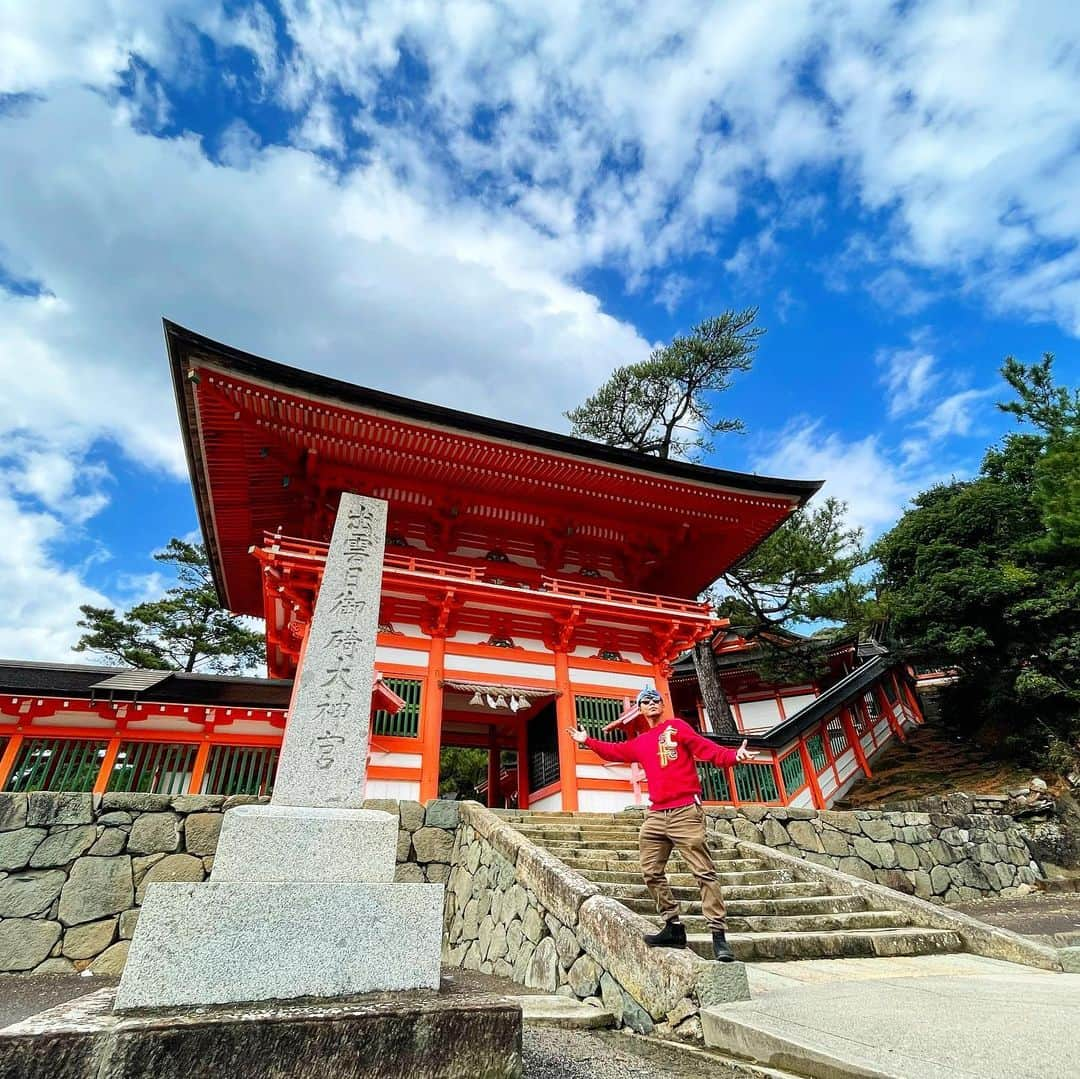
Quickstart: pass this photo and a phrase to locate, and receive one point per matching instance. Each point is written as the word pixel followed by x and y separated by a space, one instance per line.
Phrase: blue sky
pixel 492 205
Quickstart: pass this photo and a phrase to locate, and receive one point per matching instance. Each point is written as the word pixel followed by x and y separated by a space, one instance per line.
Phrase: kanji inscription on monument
pixel 324 752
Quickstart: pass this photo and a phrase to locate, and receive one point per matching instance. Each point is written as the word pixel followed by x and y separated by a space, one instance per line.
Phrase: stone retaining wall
pixel 514 910
pixel 74 867
pixel 941 857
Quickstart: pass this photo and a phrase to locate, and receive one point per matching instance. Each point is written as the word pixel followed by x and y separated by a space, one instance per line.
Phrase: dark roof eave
pixel 848 687
pixel 25 679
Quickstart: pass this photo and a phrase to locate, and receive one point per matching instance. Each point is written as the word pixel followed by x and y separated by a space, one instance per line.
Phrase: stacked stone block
pixel 941 857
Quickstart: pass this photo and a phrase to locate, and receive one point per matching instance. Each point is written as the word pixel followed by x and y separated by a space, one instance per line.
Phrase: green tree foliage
pixel 662 405
pixel 462 771
pixel 186 630
pixel 983 576
pixel 806 571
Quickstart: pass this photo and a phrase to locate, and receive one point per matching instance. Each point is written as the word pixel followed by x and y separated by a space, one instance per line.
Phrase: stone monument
pixel 301 900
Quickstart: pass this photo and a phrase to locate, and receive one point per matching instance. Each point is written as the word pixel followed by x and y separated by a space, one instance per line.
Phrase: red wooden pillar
pixel 431 710
pixel 778 778
pixel 7 761
pixel 101 784
pixel 811 775
pixel 660 672
pixel 494 770
pixel 565 720
pixel 896 725
pixel 733 791
pixel 198 768
pixel 856 743
pixel 912 697
pixel 523 764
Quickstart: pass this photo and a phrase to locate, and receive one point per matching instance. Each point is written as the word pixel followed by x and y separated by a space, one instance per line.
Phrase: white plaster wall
pixel 759 715
pixel 598 771
pixel 237 727
pixel 396 760
pixel 393 788
pixel 551 802
pixel 797 703
pixel 846 763
pixel 74 719
pixel 803 798
pixel 411 657
pixel 616 679
pixel 827 782
pixel 461 667
pixel 604 801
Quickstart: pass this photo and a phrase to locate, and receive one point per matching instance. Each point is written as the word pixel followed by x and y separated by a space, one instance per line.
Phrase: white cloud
pixel 875 480
pixel 909 375
pixel 955 414
pixel 41 594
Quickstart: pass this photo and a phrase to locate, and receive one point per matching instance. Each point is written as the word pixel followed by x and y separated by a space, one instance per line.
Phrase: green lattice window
pixel 816 747
pixel 889 688
pixel 756 783
pixel 240 770
pixel 56 764
pixel 791 769
pixel 714 784
pixel 152 767
pixel 406 724
pixel 595 713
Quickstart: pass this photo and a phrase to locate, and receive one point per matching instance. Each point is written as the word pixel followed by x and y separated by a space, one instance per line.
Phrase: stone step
pixel 756 908
pixel 840 945
pixel 744 891
pixel 582 844
pixel 675 865
pixel 627 841
pixel 544 816
pixel 798 923
pixel 591 831
pixel 551 1010
pixel 685 880
pixel 724 861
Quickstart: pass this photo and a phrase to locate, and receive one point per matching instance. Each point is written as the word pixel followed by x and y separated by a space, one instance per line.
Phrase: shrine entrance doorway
pixel 498 744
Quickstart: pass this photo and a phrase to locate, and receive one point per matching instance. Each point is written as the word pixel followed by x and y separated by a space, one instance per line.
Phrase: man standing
pixel 667 751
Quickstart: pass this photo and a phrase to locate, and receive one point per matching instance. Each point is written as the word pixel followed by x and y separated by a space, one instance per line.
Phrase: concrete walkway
pixel 925 1017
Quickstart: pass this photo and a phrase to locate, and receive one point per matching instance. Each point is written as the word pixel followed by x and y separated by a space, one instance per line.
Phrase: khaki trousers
pixel 684 830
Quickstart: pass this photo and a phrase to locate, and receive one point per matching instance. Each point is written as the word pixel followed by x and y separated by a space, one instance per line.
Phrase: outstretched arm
pixel 721 756
pixel 609 751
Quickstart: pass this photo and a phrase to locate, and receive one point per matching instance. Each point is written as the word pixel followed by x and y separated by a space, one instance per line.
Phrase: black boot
pixel 673 935
pixel 721 948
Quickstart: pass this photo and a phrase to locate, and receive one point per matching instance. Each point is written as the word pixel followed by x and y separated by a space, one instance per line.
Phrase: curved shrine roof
pixel 270 447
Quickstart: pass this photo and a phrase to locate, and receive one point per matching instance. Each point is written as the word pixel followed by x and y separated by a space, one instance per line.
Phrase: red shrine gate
pixel 532 581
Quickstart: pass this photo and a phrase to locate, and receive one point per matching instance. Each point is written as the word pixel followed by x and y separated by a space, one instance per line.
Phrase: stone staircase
pixel 770 916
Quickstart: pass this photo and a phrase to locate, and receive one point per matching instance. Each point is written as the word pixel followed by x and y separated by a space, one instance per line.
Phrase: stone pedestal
pixel 223 943
pixel 301 903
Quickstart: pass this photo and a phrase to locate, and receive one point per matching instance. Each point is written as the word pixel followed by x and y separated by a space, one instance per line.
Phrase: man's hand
pixel 743 754
pixel 577 734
